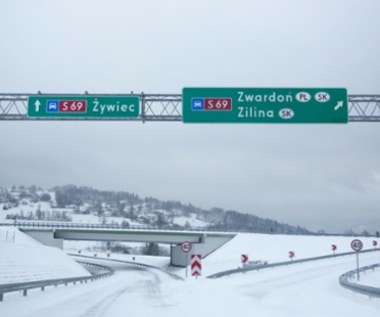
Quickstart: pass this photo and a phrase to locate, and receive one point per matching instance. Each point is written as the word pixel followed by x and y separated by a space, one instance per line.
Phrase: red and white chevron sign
pixel 244 259
pixel 196 265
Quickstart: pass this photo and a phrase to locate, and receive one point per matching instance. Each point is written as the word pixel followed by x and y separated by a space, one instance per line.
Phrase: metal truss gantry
pixel 364 108
pixel 168 107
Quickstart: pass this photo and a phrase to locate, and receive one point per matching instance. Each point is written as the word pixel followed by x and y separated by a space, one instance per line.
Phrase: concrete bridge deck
pixel 203 242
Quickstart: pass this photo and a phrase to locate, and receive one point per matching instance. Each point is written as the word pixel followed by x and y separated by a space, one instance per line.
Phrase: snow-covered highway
pixel 308 289
pixel 302 289
pixel 130 291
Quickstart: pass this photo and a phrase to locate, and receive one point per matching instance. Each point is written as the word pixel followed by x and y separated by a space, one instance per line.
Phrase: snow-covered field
pixel 308 289
pixel 275 248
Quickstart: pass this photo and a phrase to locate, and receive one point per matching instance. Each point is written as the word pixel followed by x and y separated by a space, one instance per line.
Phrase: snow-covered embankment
pixel 24 259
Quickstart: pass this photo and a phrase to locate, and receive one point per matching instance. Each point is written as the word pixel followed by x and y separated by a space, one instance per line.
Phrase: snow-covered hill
pixel 87 205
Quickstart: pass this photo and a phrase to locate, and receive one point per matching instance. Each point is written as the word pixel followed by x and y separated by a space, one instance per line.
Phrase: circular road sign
pixel 186 246
pixel 357 245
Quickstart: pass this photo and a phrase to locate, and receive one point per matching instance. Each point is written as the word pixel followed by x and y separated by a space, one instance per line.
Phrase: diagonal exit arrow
pixel 37 104
pixel 338 105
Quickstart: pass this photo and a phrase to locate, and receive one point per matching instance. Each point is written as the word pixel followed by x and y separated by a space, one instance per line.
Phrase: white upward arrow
pixel 37 104
pixel 338 105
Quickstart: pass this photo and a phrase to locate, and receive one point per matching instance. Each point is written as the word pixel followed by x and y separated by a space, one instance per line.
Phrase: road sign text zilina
pixel 264 105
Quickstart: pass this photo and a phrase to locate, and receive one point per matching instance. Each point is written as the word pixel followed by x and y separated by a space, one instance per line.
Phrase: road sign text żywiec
pixel 83 106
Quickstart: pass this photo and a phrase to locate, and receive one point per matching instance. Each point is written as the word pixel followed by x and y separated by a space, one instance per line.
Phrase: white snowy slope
pixel 307 289
pixel 24 259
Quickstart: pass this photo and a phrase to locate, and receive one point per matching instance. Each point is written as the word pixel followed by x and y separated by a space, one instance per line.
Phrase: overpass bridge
pixel 203 242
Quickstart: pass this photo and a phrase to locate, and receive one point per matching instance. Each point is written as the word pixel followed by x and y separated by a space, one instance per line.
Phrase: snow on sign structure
pixel 196 265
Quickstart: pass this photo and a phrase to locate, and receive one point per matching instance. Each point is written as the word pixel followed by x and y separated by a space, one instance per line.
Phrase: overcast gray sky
pixel 317 176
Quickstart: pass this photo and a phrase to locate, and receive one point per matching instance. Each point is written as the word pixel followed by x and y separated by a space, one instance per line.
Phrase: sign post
pixel 333 248
pixel 357 246
pixel 83 106
pixel 186 247
pixel 264 105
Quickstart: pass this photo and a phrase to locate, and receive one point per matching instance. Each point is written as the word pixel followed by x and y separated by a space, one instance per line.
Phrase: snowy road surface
pixel 130 291
pixel 308 289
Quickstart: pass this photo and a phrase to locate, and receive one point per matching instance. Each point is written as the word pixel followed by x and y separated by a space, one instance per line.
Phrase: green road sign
pixel 83 106
pixel 264 105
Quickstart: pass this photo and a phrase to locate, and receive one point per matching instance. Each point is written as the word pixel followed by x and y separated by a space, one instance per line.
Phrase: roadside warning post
pixel 244 259
pixel 196 265
pixel 291 255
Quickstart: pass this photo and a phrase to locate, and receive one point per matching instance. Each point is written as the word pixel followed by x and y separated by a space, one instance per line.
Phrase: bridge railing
pixel 71 225
pixel 209 228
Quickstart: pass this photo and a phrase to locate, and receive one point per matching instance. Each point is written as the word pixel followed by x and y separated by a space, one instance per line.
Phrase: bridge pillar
pixel 46 237
pixel 207 245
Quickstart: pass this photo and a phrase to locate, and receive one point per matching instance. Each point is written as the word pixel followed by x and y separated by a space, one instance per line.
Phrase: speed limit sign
pixel 186 246
pixel 357 245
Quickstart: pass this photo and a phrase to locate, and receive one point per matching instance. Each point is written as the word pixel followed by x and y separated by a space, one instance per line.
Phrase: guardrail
pixel 138 264
pixel 271 265
pixel 344 280
pixel 69 225
pixel 97 271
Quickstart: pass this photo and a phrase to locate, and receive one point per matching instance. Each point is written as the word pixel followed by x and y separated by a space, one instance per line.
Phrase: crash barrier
pixel 347 280
pixel 97 272
pixel 271 265
pixel 134 263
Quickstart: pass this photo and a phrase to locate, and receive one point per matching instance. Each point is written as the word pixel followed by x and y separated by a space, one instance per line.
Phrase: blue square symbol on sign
pixel 197 104
pixel 52 106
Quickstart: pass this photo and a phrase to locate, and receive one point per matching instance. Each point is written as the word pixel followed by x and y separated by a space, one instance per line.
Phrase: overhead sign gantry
pixel 170 108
